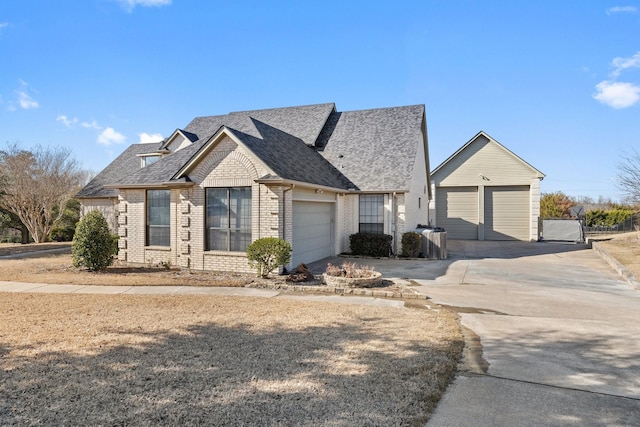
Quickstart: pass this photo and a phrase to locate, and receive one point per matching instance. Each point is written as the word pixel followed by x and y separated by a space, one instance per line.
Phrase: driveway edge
pixel 615 264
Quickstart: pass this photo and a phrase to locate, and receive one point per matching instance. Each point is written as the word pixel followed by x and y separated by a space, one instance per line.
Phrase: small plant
pixel 350 270
pixel 268 253
pixel 166 265
pixel 411 244
pixel 93 244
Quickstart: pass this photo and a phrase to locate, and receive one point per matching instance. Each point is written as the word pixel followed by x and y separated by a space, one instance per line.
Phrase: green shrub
pixel 607 218
pixel 93 244
pixel 411 244
pixel 268 253
pixel 375 245
pixel 62 234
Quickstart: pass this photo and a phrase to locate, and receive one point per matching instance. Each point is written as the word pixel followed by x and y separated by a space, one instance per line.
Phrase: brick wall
pixel 227 165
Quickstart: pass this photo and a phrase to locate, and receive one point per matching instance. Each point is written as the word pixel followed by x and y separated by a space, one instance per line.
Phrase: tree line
pixel 601 212
pixel 37 188
pixel 36 191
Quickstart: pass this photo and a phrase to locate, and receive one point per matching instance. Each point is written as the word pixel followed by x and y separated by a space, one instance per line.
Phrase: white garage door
pixel 312 231
pixel 457 211
pixel 506 213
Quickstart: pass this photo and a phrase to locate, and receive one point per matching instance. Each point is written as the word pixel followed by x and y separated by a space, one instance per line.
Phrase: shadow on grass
pixel 340 375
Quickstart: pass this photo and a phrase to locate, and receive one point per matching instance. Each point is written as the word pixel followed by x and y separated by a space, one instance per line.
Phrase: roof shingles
pixel 369 150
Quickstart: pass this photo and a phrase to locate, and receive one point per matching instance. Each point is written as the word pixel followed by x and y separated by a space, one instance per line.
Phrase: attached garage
pixel 312 231
pixel 486 192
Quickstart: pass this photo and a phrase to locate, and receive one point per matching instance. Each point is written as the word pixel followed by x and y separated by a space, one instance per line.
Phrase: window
pixel 149 160
pixel 228 222
pixel 372 213
pixel 158 216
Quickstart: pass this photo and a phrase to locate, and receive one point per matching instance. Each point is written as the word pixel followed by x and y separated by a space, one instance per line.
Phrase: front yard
pixel 199 360
pixel 57 268
pixel 209 360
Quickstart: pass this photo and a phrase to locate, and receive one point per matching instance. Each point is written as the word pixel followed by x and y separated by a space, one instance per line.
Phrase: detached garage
pixel 486 192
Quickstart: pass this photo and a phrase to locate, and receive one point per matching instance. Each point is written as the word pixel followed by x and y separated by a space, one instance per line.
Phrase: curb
pixel 322 289
pixel 615 264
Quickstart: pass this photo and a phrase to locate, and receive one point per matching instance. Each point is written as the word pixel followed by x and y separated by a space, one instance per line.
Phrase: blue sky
pixel 556 82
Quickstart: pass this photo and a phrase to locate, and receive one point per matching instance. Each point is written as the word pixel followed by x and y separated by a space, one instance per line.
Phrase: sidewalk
pixel 43 288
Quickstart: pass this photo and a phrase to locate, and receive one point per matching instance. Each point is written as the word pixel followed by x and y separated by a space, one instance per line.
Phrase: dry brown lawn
pixel 211 360
pixel 625 248
pixel 57 268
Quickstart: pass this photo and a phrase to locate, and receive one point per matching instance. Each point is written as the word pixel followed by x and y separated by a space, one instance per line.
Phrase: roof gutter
pixel 293 183
pixel 283 181
pixel 151 186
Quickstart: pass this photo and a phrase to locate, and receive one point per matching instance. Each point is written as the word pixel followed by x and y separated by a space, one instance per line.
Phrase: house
pixel 486 192
pixel 310 174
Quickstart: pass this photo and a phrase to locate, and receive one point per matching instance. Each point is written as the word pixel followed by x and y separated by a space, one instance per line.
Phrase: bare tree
pixel 629 175
pixel 36 184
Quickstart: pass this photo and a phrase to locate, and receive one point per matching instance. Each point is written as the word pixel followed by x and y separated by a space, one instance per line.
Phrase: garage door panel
pixel 457 211
pixel 312 231
pixel 507 215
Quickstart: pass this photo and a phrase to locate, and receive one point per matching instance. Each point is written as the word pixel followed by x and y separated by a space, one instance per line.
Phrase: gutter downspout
pixel 284 216
pixel 394 213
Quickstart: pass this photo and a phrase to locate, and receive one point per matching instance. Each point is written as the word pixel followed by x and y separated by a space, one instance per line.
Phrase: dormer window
pixel 148 160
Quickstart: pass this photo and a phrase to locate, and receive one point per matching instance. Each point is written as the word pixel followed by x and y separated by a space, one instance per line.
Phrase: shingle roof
pixel 369 150
pixel 160 171
pixel 305 121
pixel 118 168
pixel 290 158
pixel 376 148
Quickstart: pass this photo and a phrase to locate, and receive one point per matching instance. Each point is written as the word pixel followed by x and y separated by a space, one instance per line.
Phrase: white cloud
pixel 26 102
pixel 146 137
pixel 91 125
pixel 129 5
pixel 621 9
pixel 110 137
pixel 24 99
pixel 3 25
pixel 622 64
pixel 67 121
pixel 617 94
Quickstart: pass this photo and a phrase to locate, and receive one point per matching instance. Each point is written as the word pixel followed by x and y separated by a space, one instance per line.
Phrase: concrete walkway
pixel 20 287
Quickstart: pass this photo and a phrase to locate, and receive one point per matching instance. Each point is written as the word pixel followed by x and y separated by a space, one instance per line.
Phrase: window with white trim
pixel 149 160
pixel 371 213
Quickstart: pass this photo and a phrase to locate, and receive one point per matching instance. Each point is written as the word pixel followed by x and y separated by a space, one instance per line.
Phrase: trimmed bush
pixel 268 253
pixel 375 245
pixel 93 244
pixel 411 244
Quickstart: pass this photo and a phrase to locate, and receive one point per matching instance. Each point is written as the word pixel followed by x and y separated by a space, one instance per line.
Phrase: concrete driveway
pixel 553 335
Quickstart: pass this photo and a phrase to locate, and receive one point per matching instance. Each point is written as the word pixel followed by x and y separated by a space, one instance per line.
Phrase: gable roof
pixel 188 135
pixel 305 121
pixel 376 149
pixel 368 150
pixel 472 141
pixel 285 155
pixel 118 168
